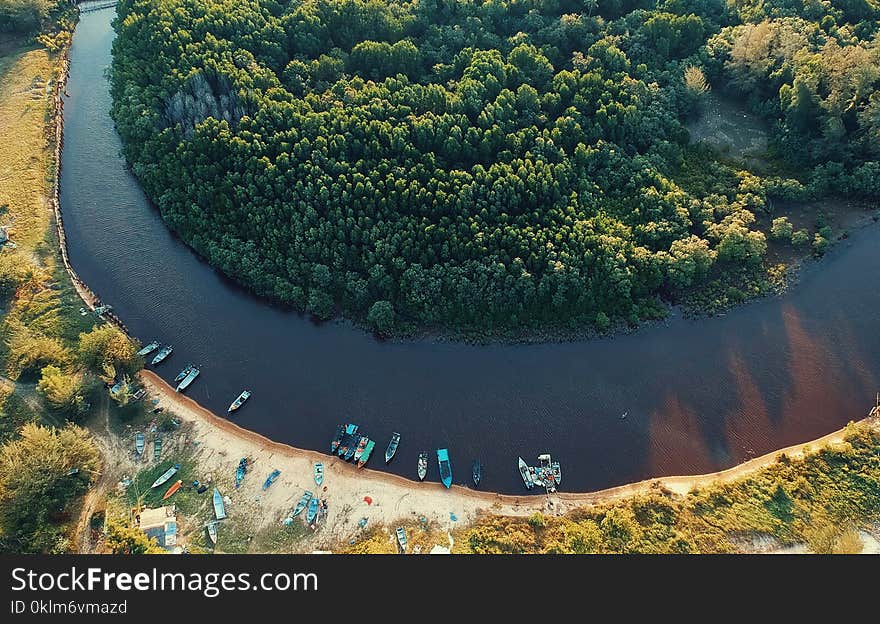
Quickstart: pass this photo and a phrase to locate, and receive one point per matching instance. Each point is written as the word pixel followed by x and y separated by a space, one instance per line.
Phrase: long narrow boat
pixel 271 479
pixel 337 439
pixel 477 471
pixel 350 450
pixel 164 352
pixel 148 349
pixel 190 377
pixel 349 440
pixel 219 507
pixel 182 374
pixel 365 457
pixel 362 444
pixel 241 471
pixel 401 538
pixel 445 467
pixel 392 446
pixel 166 475
pixel 157 447
pixel 172 490
pixel 244 396
pixel 319 473
pixel 303 502
pixel 526 475
pixel 212 532
pixel 423 465
pixel 139 442
pixel 313 510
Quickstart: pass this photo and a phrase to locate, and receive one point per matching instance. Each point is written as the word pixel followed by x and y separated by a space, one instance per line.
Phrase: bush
pixel 381 317
pixel 782 229
pixel 800 238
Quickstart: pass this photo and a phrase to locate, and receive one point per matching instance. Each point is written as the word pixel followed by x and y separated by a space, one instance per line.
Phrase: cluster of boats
pixel 314 506
pixel 547 474
pixel 350 444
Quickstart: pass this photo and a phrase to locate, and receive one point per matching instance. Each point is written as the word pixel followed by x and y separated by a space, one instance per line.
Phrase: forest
pixel 491 166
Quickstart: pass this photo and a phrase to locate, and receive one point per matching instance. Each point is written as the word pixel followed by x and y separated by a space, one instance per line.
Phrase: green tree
pixel 381 317
pixel 62 391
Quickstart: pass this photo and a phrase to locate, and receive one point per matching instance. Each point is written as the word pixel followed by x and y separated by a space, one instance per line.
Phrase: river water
pixel 700 395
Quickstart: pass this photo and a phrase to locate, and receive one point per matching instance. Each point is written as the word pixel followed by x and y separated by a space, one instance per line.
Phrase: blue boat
pixel 313 510
pixel 241 471
pixel 445 467
pixel 337 439
pixel 350 441
pixel 219 507
pixel 271 478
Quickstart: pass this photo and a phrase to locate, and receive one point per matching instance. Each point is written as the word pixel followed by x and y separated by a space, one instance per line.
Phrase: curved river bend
pixel 700 395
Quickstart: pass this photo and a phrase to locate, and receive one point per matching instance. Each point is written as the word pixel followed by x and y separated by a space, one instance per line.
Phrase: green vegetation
pixel 819 500
pixel 488 167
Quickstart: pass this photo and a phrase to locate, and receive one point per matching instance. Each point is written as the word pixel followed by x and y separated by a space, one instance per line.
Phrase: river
pixel 700 395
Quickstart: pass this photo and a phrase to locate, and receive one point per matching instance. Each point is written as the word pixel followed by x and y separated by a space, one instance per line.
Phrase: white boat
pixel 182 374
pixel 244 396
pixel 166 475
pixel 190 377
pixel 164 352
pixel 149 348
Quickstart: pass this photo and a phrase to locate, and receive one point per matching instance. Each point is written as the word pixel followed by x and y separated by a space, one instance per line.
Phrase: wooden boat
pixel 392 446
pixel 319 473
pixel 244 396
pixel 401 538
pixel 271 479
pixel 303 502
pixel 148 349
pixel 157 447
pixel 182 374
pixel 526 475
pixel 313 510
pixel 445 467
pixel 219 507
pixel 241 471
pixel 172 489
pixel 423 465
pixel 166 475
pixel 212 532
pixel 349 440
pixel 190 377
pixel 362 444
pixel 477 471
pixel 164 352
pixel 139 442
pixel 365 457
pixel 337 439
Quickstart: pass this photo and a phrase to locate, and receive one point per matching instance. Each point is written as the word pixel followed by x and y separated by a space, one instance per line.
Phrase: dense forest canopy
pixel 485 164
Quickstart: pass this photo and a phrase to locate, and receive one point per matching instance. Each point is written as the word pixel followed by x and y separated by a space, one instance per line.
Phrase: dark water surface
pixel 701 395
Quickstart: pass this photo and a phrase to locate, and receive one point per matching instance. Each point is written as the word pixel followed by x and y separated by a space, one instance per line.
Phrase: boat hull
pixel 445 467
pixel 219 506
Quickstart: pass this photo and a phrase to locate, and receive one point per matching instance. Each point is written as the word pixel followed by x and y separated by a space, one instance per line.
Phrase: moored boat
pixel 392 446
pixel 271 478
pixel 362 444
pixel 401 538
pixel 337 439
pixel 349 440
pixel 319 473
pixel 219 507
pixel 172 489
pixel 313 510
pixel 365 456
pixel 477 471
pixel 423 465
pixel 445 467
pixel 139 442
pixel 526 475
pixel 182 374
pixel 190 377
pixel 148 348
pixel 212 532
pixel 303 502
pixel 166 475
pixel 351 449
pixel 164 352
pixel 244 396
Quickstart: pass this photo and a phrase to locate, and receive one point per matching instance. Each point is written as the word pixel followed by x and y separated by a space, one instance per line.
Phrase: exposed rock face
pixel 200 98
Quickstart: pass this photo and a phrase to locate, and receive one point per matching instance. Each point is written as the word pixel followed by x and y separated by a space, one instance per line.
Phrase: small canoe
pixel 182 374
pixel 392 447
pixel 423 466
pixel 212 532
pixel 164 352
pixel 139 442
pixel 319 473
pixel 244 396
pixel 365 456
pixel 148 349
pixel 313 510
pixel 219 507
pixel 445 467
pixel 172 490
pixel 166 475
pixel 401 538
pixel 477 471
pixel 271 479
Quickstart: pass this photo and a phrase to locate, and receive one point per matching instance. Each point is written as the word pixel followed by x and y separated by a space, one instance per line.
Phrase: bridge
pixel 91 5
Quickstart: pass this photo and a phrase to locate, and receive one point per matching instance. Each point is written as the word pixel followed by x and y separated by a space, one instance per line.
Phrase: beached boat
pixel 164 352
pixel 337 439
pixel 319 473
pixel 212 532
pixel 351 449
pixel 182 374
pixel 362 444
pixel 219 507
pixel 157 447
pixel 190 377
pixel 423 465
pixel 365 457
pixel 526 475
pixel 139 442
pixel 401 538
pixel 244 396
pixel 172 490
pixel 148 348
pixel 166 475
pixel 303 502
pixel 477 471
pixel 271 479
pixel 392 446
pixel 445 467
pixel 349 440
pixel 241 471
pixel 313 510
